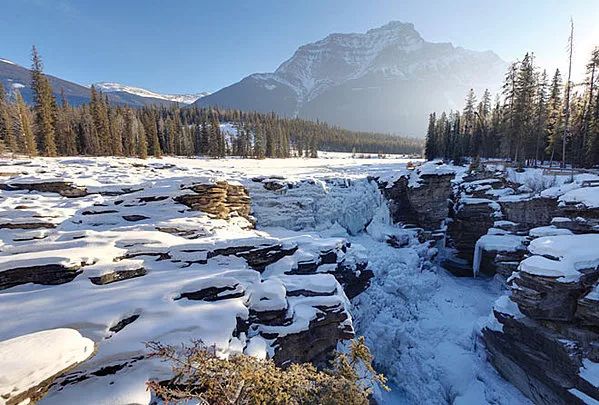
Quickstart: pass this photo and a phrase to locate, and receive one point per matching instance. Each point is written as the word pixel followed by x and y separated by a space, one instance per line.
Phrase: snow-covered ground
pixel 420 322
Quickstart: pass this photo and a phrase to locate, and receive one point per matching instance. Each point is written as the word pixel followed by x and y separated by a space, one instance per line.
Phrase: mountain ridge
pixel 343 75
pixel 16 77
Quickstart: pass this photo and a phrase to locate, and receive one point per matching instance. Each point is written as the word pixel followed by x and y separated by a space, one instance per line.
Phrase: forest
pixel 54 128
pixel 537 118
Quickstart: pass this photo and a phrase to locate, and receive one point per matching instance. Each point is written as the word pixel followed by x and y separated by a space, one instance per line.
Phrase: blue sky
pixel 191 46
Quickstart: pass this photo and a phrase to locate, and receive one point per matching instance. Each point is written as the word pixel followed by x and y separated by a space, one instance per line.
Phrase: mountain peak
pixel 394 26
pixel 111 87
pixel 10 62
pixel 389 71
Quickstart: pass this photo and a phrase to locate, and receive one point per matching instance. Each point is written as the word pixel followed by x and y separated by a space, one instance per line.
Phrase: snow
pixel 590 372
pixel 7 61
pixel 27 362
pixel 550 230
pixel 107 87
pixel 571 252
pixel 420 322
pixel 503 243
pixel 587 196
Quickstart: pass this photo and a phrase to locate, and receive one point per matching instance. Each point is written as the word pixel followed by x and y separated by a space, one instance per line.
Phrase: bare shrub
pixel 199 374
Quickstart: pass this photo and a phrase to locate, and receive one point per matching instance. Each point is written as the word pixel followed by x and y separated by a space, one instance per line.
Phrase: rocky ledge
pixel 220 199
pixel 544 336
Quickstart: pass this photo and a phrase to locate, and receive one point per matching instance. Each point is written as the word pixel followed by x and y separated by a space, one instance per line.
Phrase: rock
pixel 316 344
pixel 542 361
pixel 134 218
pixel 471 220
pixel 214 293
pixel 257 257
pixel 64 188
pixel 588 309
pixel 50 274
pixel 220 199
pixel 353 278
pixel 27 225
pixel 548 298
pixel 424 206
pixel 120 325
pixel 118 275
pixel 530 212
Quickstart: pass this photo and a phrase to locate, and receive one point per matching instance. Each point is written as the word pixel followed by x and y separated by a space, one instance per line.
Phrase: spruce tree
pixel 25 133
pixel 44 106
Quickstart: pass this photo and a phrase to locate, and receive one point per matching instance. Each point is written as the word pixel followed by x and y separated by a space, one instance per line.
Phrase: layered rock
pixel 420 199
pixel 473 217
pixel 530 212
pixel 64 188
pixel 220 199
pixel 544 336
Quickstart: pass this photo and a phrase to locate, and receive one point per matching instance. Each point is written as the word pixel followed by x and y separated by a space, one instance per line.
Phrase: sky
pixel 187 46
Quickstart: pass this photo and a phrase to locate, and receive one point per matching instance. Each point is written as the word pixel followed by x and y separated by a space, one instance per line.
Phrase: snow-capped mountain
pixel 108 87
pixel 387 79
pixel 16 77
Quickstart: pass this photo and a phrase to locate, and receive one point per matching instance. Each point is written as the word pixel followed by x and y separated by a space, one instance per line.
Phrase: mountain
pixel 16 77
pixel 125 90
pixel 388 79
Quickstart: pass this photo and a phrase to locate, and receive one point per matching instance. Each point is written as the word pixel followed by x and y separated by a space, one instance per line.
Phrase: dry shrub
pixel 200 375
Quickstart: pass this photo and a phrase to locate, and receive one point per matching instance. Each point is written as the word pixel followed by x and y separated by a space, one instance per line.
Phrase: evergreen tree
pixel 430 146
pixel 554 117
pixel 25 133
pixel 44 106
pixel 7 135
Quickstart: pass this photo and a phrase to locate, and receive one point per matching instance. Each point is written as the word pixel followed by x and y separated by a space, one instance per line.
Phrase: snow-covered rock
pixel 29 363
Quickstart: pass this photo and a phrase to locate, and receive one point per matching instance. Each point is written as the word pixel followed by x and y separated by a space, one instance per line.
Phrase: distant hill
pixel 388 79
pixel 16 77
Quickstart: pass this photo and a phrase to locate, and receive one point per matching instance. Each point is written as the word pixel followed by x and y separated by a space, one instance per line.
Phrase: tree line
pixel 535 119
pixel 52 127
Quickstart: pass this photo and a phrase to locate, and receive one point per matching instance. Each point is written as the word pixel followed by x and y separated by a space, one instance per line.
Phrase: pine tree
pixel 44 106
pixel 554 117
pixel 430 146
pixel 540 115
pixel 26 135
pixel 7 135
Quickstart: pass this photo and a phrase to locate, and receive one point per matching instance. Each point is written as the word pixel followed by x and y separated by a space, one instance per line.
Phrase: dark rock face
pixel 425 206
pixel 316 344
pixel 27 225
pixel 532 212
pixel 353 280
pixel 64 188
pixel 470 222
pixel 547 298
pixel 219 199
pixel 541 347
pixel 258 257
pixel 51 274
pixel 214 293
pixel 539 360
pixel 117 276
pixel 587 311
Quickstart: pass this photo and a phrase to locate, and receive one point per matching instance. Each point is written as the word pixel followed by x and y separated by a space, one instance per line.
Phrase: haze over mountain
pixel 16 77
pixel 388 79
